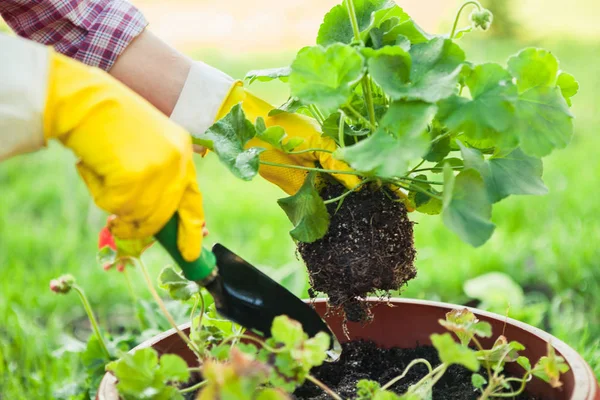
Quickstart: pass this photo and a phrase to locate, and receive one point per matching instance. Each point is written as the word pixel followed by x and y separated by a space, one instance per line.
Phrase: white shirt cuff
pixel 23 86
pixel 203 94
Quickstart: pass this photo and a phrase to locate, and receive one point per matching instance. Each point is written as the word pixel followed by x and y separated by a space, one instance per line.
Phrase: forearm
pixel 154 70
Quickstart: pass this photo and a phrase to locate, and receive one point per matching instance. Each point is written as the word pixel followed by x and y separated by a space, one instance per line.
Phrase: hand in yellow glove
pixel 136 163
pixel 296 126
pixel 209 94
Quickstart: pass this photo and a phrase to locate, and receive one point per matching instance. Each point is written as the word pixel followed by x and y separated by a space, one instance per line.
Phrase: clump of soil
pixel 364 360
pixel 369 248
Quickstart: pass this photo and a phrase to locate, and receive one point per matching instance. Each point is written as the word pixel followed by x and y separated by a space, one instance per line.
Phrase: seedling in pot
pixel 422 127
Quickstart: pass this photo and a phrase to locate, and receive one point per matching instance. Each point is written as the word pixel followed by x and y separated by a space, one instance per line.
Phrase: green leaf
pixel 331 128
pixel 271 394
pixel 436 67
pixel 524 362
pixel 288 332
pixel 388 66
pixel 291 106
pixel 136 373
pixel 502 352
pixel 228 137
pixel 550 367
pixel 370 14
pixel 439 147
pixel 534 68
pixel 141 377
pixel 178 286
pixel 410 30
pixel 513 174
pixel 467 209
pixel 422 202
pixel 307 211
pixel 387 155
pixel 451 352
pixel 366 389
pixel 489 112
pixel 315 349
pixel 465 325
pixel 275 136
pixel 173 368
pixel 543 121
pixel 267 75
pixel 495 290
pixel 478 381
pixel 326 77
pixel 568 86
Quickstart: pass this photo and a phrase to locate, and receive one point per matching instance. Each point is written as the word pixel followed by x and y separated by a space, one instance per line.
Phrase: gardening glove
pixel 209 95
pixel 136 163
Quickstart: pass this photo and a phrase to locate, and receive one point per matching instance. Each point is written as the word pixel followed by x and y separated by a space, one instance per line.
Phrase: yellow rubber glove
pixel 136 163
pixel 296 126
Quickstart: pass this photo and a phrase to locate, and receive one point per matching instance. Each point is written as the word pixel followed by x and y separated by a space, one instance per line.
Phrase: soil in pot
pixel 364 360
pixel 369 248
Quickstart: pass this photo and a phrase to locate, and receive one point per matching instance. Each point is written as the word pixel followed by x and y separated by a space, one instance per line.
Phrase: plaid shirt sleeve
pixel 94 32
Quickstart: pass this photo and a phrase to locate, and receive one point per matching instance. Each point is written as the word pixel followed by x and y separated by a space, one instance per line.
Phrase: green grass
pixel 48 226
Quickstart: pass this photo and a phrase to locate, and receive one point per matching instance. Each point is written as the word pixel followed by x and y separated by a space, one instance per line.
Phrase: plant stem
pixel 341 133
pixel 406 370
pixel 353 19
pixel 366 84
pixel 326 171
pixel 416 168
pixel 460 10
pixel 417 189
pixel 421 181
pixel 253 339
pixel 324 387
pixel 441 137
pixel 487 364
pixel 456 168
pixel 193 388
pixel 310 151
pixel 196 303
pixel 347 193
pixel 134 297
pixel 163 308
pixel 360 117
pixel 92 318
pixel 519 391
pixel 315 112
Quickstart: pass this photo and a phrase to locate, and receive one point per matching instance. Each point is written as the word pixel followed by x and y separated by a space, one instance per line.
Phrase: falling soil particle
pixel 364 360
pixel 369 249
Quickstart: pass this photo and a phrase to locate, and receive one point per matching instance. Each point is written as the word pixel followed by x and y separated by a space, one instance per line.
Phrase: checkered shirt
pixel 94 32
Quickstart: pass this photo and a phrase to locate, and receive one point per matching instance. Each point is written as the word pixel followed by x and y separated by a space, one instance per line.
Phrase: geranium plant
pixel 424 129
pixel 418 123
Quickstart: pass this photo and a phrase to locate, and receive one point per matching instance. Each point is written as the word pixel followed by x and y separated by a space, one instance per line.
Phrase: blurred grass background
pixel 549 245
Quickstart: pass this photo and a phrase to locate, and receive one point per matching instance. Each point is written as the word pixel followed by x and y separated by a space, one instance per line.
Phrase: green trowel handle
pixel 196 271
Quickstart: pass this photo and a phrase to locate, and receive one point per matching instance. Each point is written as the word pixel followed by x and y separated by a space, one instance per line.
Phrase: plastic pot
pixel 408 323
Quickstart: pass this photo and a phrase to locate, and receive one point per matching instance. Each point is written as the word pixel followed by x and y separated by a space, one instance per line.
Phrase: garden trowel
pixel 241 292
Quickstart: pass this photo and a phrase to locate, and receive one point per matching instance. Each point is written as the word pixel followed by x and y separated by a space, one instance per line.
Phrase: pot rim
pixel 586 380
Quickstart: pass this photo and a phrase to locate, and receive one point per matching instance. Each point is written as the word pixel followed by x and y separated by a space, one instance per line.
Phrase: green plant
pixel 495 384
pixel 235 364
pixel 408 109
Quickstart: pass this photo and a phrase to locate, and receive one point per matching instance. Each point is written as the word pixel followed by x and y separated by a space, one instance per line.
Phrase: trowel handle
pixel 196 271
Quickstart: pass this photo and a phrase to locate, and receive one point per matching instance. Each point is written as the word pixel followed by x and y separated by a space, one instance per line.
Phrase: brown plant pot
pixel 408 323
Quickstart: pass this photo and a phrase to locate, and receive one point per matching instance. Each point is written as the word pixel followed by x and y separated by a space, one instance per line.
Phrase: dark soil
pixel 369 248
pixel 364 360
